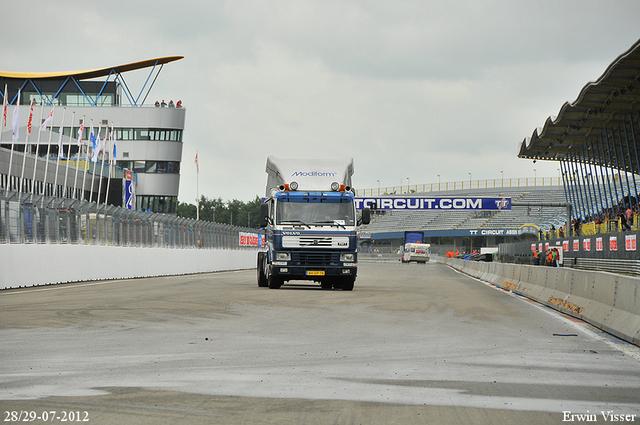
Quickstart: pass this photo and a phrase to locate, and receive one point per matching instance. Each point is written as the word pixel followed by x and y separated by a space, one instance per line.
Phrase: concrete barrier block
pixel 622 324
pixel 627 296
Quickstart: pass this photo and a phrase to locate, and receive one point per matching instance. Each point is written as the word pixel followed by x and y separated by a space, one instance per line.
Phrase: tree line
pixel 235 212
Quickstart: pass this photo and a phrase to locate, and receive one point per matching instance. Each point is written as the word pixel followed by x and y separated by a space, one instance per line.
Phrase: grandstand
pixel 520 219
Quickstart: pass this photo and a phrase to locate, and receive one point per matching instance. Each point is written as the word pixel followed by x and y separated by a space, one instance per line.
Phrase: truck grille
pixel 315 241
pixel 315 258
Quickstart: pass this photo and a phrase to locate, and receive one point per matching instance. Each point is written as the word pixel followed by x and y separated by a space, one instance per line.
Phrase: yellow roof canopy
pixel 93 73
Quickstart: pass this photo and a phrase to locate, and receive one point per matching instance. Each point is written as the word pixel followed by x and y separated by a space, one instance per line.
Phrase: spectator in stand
pixel 163 103
pixel 179 104
pixel 171 104
pixel 157 104
pixel 629 214
pixel 623 222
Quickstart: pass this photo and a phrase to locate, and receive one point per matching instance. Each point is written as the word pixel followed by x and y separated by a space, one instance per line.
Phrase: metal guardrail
pixel 628 267
pixel 461 185
pixel 31 219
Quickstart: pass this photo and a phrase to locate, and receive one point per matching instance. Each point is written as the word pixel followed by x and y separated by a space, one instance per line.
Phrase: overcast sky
pixel 409 89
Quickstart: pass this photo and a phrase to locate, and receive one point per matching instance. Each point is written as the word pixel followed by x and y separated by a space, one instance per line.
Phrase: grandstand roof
pixel 92 73
pixel 611 99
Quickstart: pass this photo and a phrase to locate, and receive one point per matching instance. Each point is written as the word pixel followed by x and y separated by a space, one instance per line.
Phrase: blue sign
pixel 421 203
pixel 128 194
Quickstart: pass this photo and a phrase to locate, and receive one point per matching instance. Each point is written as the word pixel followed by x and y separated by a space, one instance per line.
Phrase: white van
pixel 418 252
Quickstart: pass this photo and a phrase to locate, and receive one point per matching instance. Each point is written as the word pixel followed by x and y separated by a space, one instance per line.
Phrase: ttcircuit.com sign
pixel 417 203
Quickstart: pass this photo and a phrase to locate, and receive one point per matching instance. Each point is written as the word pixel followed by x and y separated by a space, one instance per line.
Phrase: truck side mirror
pixel 264 214
pixel 366 216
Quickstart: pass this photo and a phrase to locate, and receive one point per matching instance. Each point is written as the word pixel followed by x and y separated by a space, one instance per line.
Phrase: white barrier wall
pixel 38 264
pixel 606 300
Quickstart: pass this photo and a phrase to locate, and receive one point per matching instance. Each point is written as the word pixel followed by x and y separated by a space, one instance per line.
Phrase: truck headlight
pixel 347 257
pixel 283 256
pixel 293 185
pixel 335 186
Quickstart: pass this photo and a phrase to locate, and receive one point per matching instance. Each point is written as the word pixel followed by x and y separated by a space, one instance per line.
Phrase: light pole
pixel 378 187
pixel 469 180
pixel 438 182
pixel 408 184
pixel 502 177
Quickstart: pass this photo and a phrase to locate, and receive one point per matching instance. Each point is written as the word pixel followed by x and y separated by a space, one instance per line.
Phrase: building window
pixel 157 204
pixel 162 167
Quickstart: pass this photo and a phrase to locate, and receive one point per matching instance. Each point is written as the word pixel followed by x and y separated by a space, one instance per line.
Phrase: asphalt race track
pixel 411 344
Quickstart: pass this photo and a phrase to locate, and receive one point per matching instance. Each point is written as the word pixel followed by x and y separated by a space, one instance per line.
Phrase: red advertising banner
pixel 251 239
pixel 613 243
pixel 630 242
pixel 599 244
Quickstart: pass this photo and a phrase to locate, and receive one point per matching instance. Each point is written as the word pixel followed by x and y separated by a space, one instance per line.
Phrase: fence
pixel 461 185
pixel 592 228
pixel 29 219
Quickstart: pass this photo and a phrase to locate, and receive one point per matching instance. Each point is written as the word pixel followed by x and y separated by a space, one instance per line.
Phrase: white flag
pixel 80 131
pixel 43 127
pixel 16 119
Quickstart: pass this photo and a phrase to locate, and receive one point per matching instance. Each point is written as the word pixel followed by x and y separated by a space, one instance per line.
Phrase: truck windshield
pixel 316 213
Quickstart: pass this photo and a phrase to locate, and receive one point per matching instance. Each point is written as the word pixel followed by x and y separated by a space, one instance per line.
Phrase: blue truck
pixel 310 222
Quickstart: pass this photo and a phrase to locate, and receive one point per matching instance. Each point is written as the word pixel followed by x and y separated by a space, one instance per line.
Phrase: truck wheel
pixel 262 277
pixel 326 284
pixel 347 283
pixel 275 282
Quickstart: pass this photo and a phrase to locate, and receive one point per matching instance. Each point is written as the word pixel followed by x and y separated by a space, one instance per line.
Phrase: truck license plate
pixel 315 273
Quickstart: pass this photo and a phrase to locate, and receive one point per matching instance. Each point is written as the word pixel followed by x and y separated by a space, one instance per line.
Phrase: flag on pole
pixel 4 107
pixel 92 137
pixel 197 166
pixel 80 131
pixel 43 127
pixel 97 148
pixel 15 120
pixel 113 138
pixel 30 118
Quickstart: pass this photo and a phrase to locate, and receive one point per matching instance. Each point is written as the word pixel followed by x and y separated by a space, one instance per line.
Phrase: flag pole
pixel 112 161
pixel 86 166
pixel 15 123
pixel 197 190
pixel 92 137
pixel 104 150
pixel 60 155
pixel 46 163
pixel 75 180
pixel 26 143
pixel 4 124
pixel 66 173
pixel 35 160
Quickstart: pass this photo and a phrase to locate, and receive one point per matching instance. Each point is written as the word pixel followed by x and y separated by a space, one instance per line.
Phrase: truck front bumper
pixel 313 273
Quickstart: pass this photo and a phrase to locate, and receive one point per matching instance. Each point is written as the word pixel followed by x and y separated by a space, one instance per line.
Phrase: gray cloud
pixel 410 89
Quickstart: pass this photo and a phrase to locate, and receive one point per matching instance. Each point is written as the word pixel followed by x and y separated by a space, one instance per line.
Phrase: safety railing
pixel 588 229
pixel 29 219
pixel 461 185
